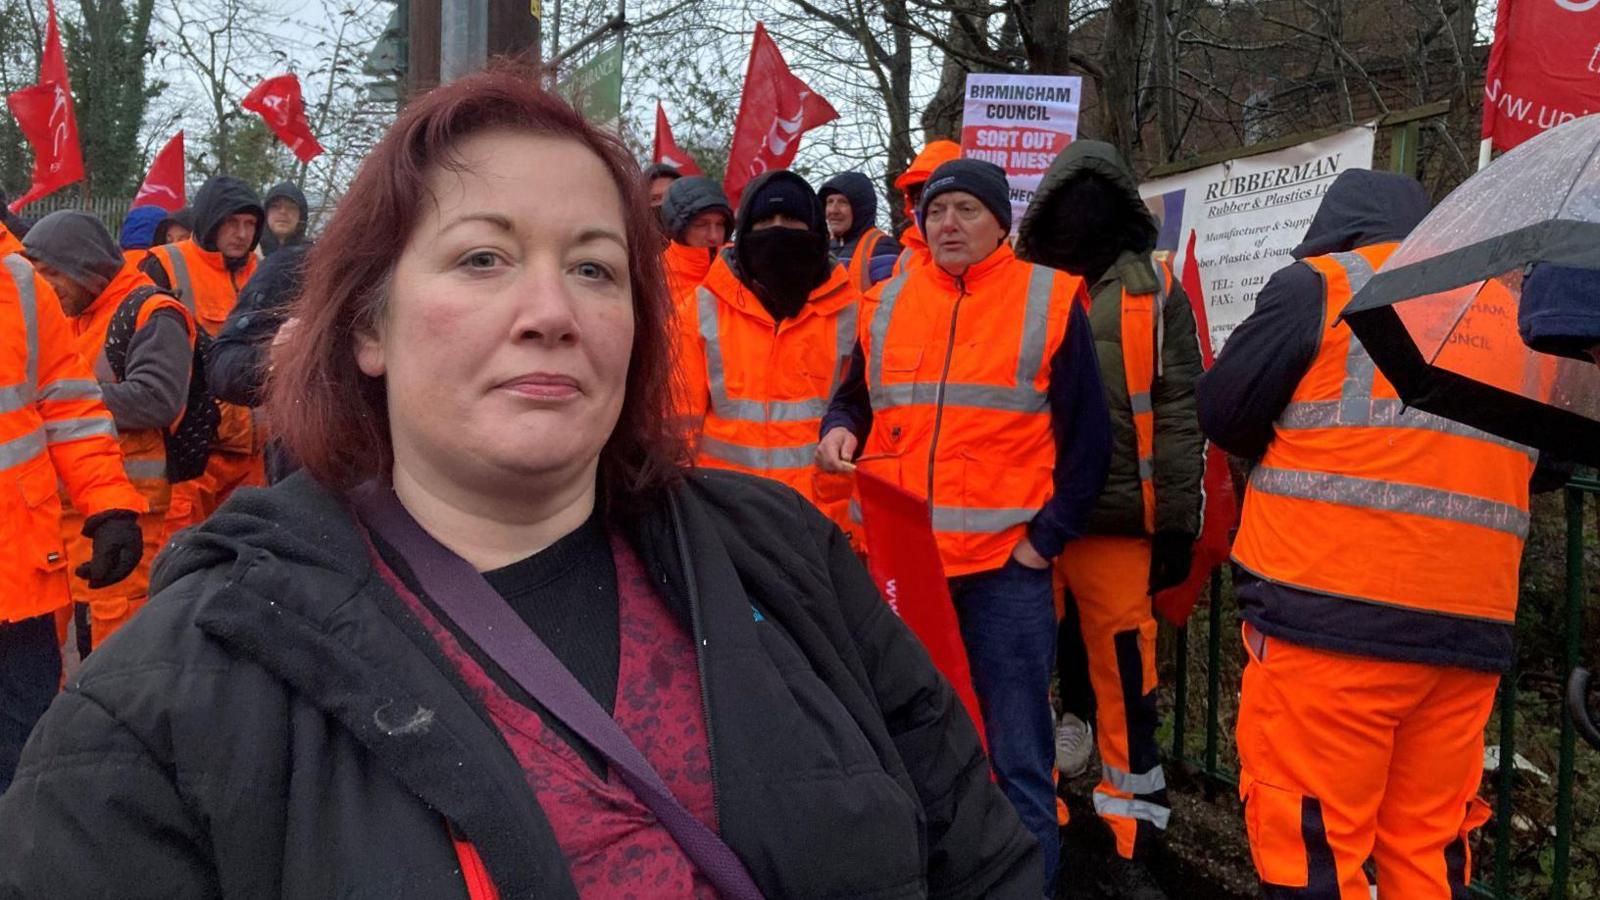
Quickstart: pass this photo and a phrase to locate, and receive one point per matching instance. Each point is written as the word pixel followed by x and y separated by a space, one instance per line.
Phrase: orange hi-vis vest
pixel 860 267
pixel 763 387
pixel 209 291
pixel 1360 497
pixel 1142 339
pixel 52 425
pixel 958 371
pixel 685 267
pixel 144 451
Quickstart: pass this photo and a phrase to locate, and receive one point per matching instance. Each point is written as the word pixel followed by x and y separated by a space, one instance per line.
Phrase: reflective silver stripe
pixel 1035 324
pixel 145 469
pixel 879 329
pixel 1143 810
pixel 14 397
pixel 71 389
pixel 1383 412
pixel 19 450
pixel 183 287
pixel 844 343
pixel 1023 397
pixel 28 301
pixel 977 396
pixel 855 510
pixel 1147 468
pixel 762 459
pixel 1367 493
pixel 1141 403
pixel 60 431
pixel 976 520
pixel 1129 783
pixel 756 410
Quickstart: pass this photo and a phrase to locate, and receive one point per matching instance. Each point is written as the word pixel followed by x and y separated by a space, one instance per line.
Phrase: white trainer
pixel 1074 745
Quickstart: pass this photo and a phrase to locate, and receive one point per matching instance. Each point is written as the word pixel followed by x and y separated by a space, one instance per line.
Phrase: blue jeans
pixel 1008 623
pixel 30 675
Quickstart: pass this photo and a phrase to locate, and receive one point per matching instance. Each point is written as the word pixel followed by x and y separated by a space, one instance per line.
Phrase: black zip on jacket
pixel 275 723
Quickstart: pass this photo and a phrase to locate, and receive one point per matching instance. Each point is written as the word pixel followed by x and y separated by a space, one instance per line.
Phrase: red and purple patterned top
pixel 614 846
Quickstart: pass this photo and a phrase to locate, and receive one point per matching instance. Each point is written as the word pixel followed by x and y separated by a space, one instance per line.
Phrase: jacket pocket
pixel 988 483
pixel 1273 819
pixel 902 359
pixel 40 541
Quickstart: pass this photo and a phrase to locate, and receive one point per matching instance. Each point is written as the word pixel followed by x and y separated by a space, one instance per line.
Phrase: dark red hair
pixel 331 415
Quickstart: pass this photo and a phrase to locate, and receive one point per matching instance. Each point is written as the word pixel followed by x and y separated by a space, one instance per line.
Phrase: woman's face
pixel 509 324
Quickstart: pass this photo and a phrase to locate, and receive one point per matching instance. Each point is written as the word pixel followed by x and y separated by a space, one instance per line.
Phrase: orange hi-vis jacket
pixel 685 267
pixel 860 267
pixel 1360 497
pixel 53 425
pixel 958 370
pixel 761 388
pixel 202 281
pixel 916 253
pixel 144 451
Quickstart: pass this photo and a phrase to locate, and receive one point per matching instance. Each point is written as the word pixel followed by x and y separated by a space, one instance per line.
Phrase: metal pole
pixel 1214 684
pixel 1504 781
pixel 463 37
pixel 1485 153
pixel 1560 866
pixel 555 31
pixel 1180 691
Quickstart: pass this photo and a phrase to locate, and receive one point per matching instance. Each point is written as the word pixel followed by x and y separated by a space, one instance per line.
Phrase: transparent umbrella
pixel 1440 319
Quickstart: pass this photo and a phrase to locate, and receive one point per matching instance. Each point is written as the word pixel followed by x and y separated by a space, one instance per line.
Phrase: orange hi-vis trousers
pixel 195 500
pixel 1348 757
pixel 109 607
pixel 1108 581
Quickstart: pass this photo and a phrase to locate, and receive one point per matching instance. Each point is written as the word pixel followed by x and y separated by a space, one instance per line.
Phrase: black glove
pixel 118 544
pixel 1171 556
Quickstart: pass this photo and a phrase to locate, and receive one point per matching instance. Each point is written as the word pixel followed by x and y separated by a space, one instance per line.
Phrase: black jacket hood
pixel 1363 207
pixel 1041 238
pixel 220 197
pixel 183 218
pixel 856 188
pixel 689 197
pixel 269 241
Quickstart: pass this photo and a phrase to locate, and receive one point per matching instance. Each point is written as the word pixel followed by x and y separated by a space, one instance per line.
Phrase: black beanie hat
pixel 983 180
pixel 784 192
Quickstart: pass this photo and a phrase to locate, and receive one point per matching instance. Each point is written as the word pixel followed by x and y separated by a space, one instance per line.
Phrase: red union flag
pixel 278 102
pixel 903 558
pixel 1221 510
pixel 1544 69
pixel 163 186
pixel 667 150
pixel 45 114
pixel 775 109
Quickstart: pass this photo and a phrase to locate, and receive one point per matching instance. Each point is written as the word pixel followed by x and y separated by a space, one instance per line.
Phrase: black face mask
pixel 784 265
pixel 1088 227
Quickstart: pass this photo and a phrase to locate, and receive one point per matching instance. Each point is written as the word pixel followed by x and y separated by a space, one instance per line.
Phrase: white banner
pixel 1020 123
pixel 1247 215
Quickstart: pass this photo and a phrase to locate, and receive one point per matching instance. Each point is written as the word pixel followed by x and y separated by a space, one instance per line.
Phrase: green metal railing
pixel 1497 881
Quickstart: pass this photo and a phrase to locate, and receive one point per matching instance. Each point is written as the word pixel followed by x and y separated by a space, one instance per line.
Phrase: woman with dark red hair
pixel 495 640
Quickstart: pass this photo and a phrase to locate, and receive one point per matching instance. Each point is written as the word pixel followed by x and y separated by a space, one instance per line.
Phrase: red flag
pixel 904 561
pixel 1544 68
pixel 774 111
pixel 667 150
pixel 163 186
pixel 1221 509
pixel 49 121
pixel 278 101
